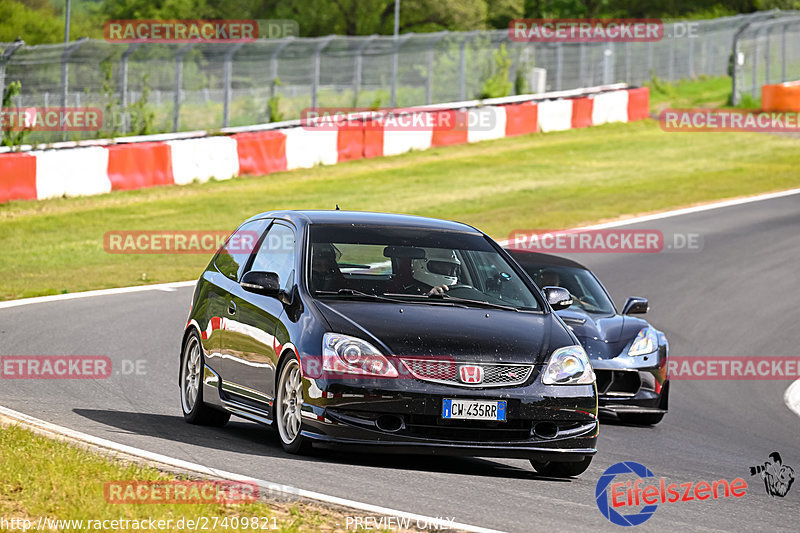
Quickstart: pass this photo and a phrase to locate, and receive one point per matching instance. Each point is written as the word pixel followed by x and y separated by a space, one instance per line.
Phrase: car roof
pixel 365 218
pixel 526 258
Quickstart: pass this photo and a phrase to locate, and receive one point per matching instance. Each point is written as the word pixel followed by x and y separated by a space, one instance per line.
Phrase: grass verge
pixel 40 477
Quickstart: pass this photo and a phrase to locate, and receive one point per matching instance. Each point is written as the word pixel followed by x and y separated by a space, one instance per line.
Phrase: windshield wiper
pixel 384 297
pixel 482 303
pixel 349 292
pixel 465 302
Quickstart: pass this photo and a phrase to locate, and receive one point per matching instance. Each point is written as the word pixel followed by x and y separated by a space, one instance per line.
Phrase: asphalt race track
pixel 736 296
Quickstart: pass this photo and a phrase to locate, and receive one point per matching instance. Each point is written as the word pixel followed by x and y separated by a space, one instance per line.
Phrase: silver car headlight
pixel 343 354
pixel 646 342
pixel 569 366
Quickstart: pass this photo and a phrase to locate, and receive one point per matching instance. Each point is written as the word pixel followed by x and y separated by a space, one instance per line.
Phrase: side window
pixel 277 254
pixel 237 249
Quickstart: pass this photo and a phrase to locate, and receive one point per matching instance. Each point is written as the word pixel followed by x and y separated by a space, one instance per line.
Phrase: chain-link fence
pixel 765 51
pixel 150 88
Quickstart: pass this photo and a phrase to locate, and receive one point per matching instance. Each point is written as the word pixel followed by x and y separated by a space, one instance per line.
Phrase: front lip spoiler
pixel 614 409
pixel 442 448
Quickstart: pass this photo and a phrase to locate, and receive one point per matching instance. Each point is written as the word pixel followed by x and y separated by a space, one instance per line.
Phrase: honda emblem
pixel 471 374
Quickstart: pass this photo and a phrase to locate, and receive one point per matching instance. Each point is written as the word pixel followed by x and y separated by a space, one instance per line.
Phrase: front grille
pixel 447 372
pixel 617 382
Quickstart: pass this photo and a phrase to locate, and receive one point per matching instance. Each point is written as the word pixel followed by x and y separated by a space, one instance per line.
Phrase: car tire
pixel 560 468
pixel 288 404
pixel 195 411
pixel 640 419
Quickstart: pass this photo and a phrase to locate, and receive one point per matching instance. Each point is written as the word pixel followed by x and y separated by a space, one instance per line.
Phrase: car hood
pixel 602 336
pixel 475 334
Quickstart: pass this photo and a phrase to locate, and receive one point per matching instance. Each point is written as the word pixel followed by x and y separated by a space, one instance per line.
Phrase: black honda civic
pixel 629 356
pixel 385 332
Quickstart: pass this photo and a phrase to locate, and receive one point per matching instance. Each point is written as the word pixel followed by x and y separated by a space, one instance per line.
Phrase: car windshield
pixel 409 264
pixel 586 291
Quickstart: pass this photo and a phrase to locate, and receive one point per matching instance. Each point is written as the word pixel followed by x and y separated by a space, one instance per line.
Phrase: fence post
pixel 754 83
pixel 429 78
pixel 315 74
pixel 226 103
pixel 4 58
pixel 176 112
pixel 462 65
pixel 768 58
pixel 671 65
pixel 123 66
pixel 608 63
pixel 559 64
pixel 273 70
pixel 692 72
pixel 359 67
pixel 398 42
pixel 627 62
pixel 582 64
pixel 68 51
pixel 783 53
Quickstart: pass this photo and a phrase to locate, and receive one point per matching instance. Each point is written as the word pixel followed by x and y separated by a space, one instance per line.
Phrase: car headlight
pixel 569 366
pixel 646 341
pixel 343 354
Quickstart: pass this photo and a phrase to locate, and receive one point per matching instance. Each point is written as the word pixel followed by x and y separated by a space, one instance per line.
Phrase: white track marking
pixel 168 287
pixel 274 490
pixel 683 211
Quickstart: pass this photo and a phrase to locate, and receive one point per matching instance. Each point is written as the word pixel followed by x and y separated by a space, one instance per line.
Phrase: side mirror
pixel 558 297
pixel 266 283
pixel 635 306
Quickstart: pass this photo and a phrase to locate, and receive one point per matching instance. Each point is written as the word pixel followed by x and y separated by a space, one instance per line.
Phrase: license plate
pixel 473 410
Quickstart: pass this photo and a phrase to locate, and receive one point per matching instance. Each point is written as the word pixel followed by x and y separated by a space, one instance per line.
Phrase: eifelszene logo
pixel 778 477
pixel 635 492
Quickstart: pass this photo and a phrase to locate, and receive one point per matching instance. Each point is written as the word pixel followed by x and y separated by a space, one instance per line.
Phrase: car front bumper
pixel 544 423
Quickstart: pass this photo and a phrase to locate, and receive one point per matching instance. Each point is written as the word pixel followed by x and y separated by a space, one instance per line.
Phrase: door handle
pixel 231 308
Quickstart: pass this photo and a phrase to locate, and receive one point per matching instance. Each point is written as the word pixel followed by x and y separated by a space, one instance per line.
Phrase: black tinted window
pixel 277 253
pixel 233 256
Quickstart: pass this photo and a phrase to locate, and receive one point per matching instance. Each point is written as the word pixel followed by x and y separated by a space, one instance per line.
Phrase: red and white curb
pixel 274 491
pixel 98 167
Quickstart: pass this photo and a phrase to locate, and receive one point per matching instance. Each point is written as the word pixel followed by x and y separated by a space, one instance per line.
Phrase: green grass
pixel 551 180
pixel 703 92
pixel 40 477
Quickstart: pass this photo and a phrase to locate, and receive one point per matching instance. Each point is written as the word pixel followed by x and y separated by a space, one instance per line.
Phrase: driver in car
pixel 432 275
pixel 438 270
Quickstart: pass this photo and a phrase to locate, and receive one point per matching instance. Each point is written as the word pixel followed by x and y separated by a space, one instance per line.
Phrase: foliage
pixel 142 118
pixel 10 138
pixel 497 84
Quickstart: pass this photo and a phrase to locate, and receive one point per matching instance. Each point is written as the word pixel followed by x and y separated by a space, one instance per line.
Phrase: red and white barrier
pixel 307 147
pixel 75 172
pixel 555 115
pixel 135 163
pixel 610 107
pixel 203 159
pixel 486 123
